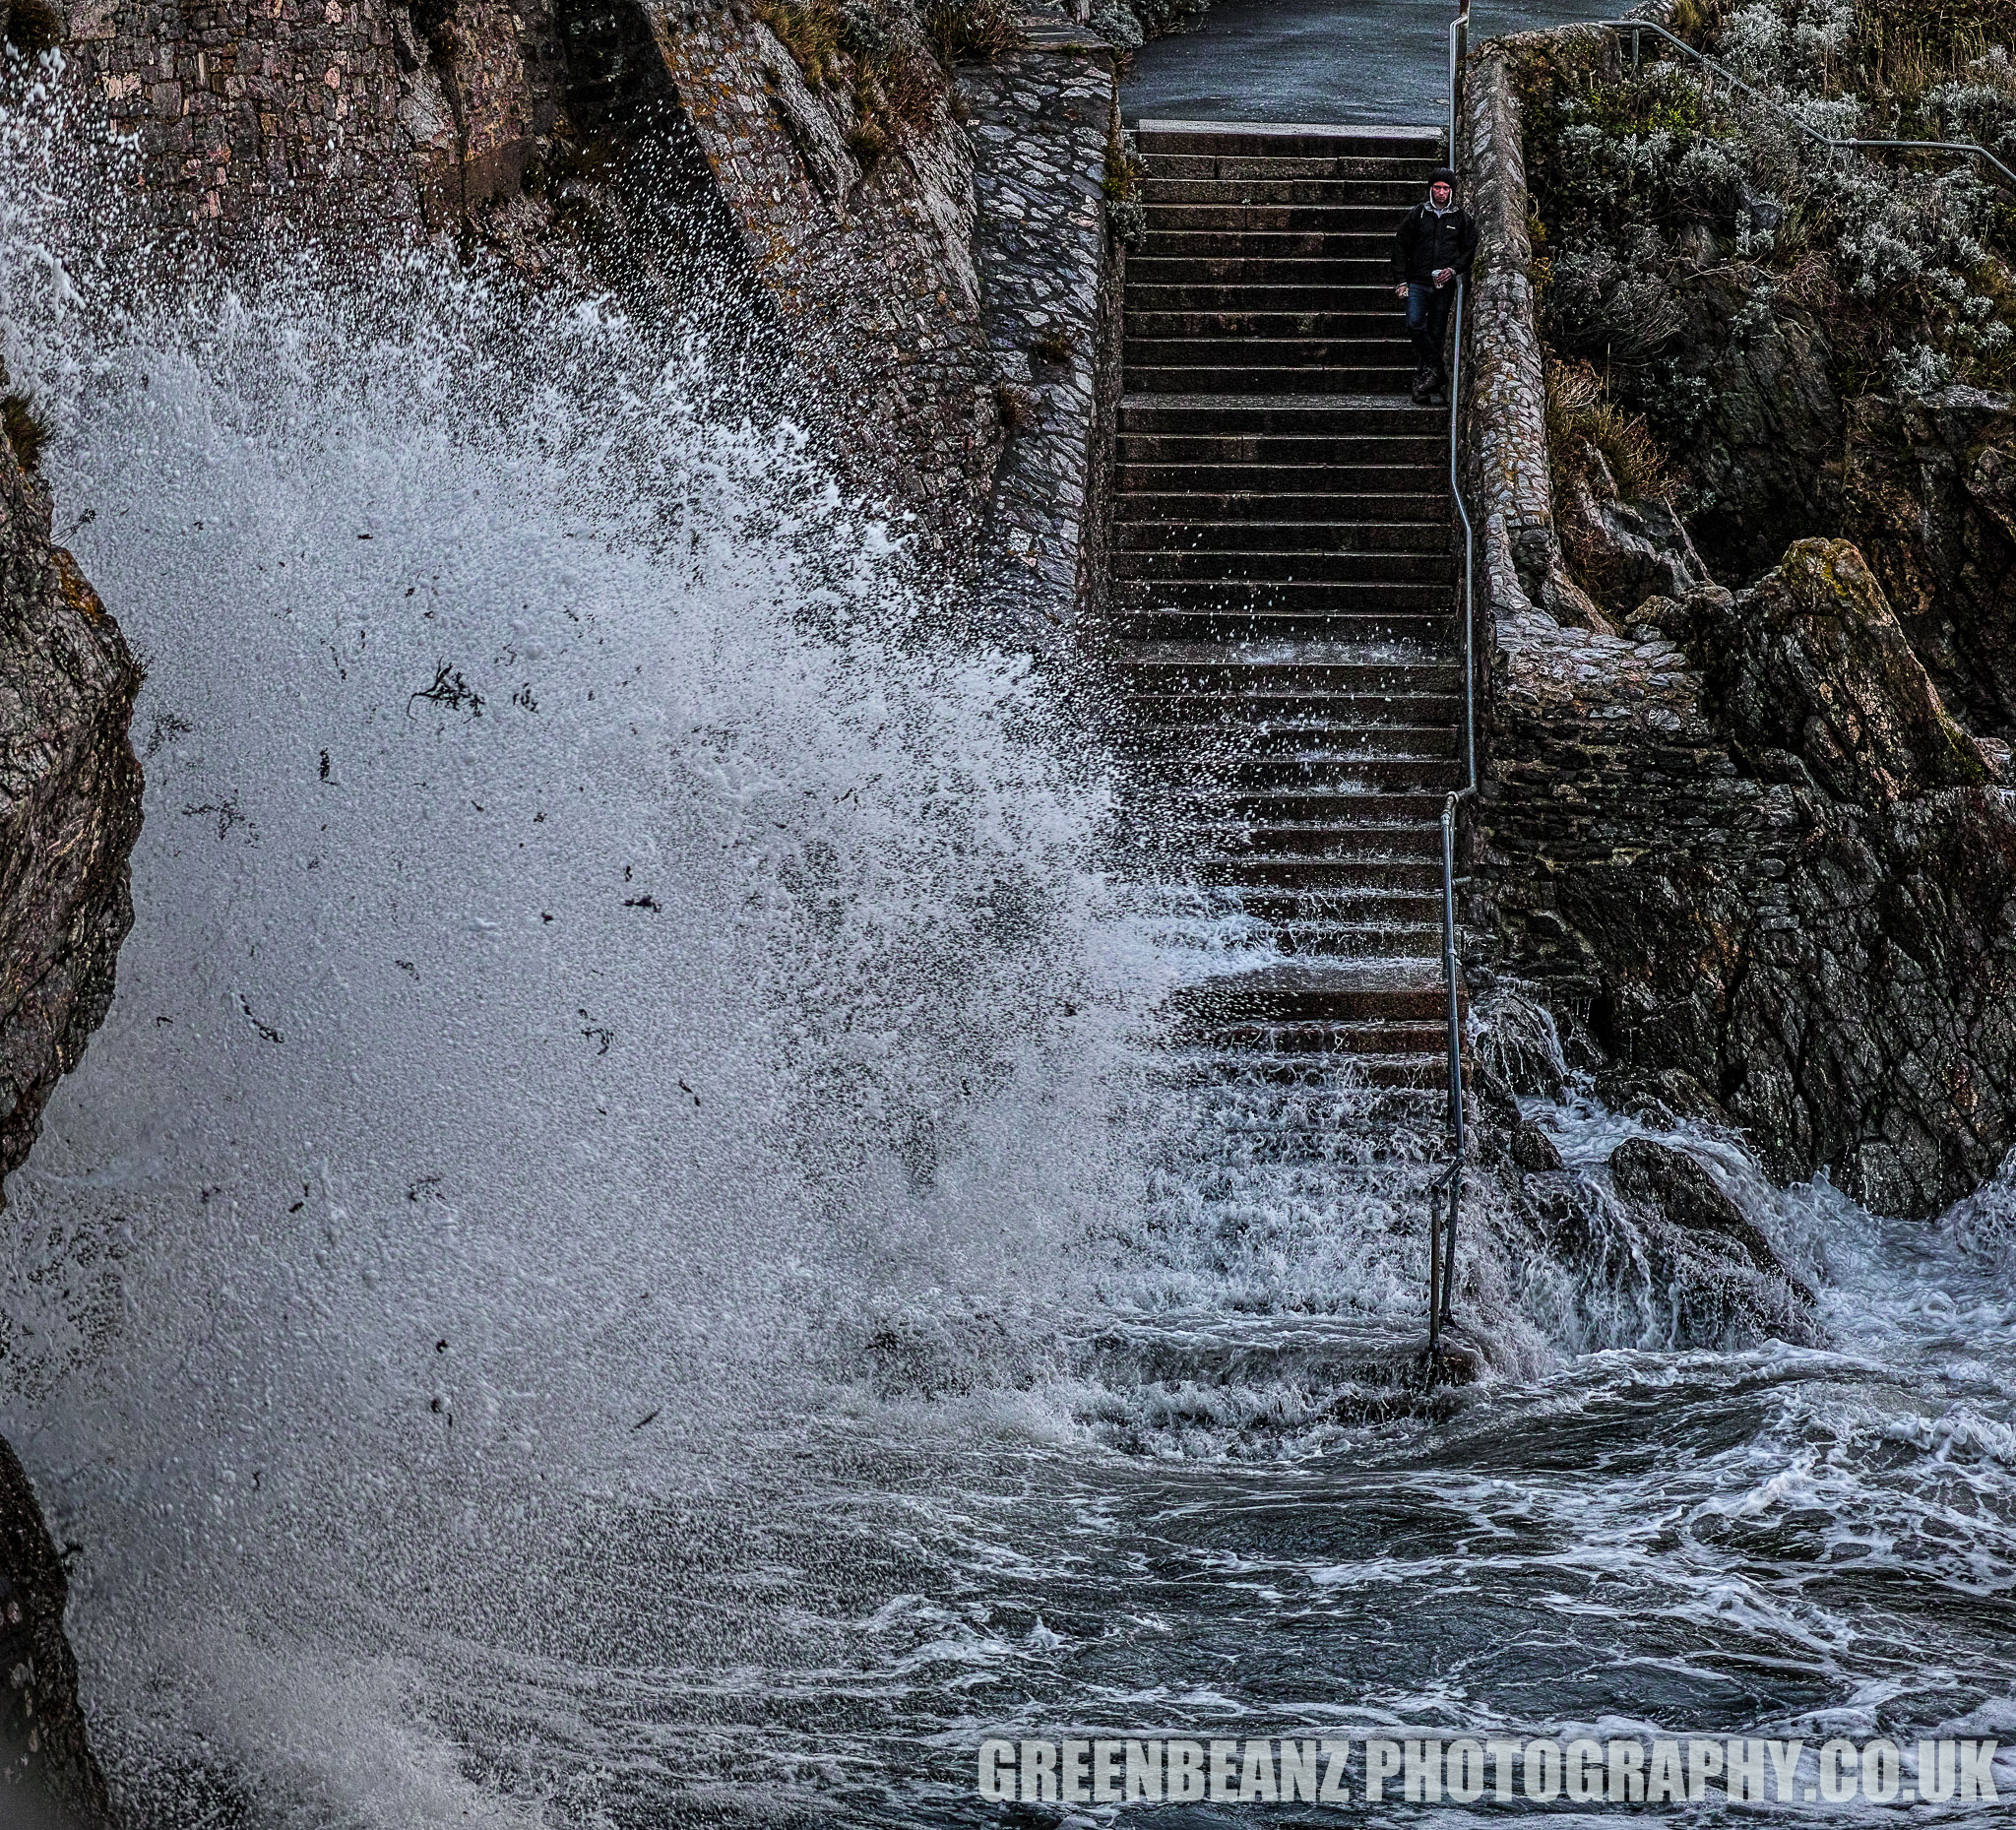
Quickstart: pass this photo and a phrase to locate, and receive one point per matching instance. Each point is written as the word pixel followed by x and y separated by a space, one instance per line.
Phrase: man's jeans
pixel 1427 323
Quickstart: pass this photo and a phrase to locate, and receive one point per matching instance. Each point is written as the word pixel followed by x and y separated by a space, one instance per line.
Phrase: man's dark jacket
pixel 1425 243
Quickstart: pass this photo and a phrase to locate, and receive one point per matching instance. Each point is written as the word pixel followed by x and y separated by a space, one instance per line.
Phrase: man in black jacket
pixel 1433 250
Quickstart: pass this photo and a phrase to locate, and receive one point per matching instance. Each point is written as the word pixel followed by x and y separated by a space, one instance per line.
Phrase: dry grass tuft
pixel 1583 427
pixel 976 31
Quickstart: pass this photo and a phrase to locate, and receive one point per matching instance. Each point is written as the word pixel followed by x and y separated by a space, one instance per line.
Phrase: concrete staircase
pixel 1284 594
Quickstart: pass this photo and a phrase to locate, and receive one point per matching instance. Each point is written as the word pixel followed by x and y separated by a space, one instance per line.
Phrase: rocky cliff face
pixel 68 808
pixel 1747 842
pixel 1743 835
pixel 69 813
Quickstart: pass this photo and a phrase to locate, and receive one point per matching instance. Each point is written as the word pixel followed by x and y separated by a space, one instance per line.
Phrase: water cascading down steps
pixel 1284 598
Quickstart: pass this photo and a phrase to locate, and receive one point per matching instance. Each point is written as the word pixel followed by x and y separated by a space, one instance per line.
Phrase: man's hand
pixel 1443 274
pixel 1399 292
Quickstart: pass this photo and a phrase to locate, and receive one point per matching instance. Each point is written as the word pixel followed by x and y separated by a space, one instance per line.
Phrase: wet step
pixel 1238 352
pixel 1375 536
pixel 1300 803
pixel 1170 265
pixel 1297 415
pixel 1345 215
pixel 1427 1071
pixel 1356 467
pixel 1389 195
pixel 1272 140
pixel 1178 289
pixel 1256 321
pixel 1342 564
pixel 1395 380
pixel 1266 666
pixel 1234 839
pixel 1283 638
pixel 1221 727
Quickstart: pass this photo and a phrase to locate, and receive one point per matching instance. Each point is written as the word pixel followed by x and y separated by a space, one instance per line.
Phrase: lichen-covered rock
pixel 1931 498
pixel 1814 663
pixel 1770 861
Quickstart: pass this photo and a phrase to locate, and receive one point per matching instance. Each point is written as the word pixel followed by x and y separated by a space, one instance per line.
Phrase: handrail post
pixel 1441 1226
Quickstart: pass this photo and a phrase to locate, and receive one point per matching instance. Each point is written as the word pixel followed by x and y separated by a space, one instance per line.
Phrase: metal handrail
pixel 1441 1232
pixel 1636 25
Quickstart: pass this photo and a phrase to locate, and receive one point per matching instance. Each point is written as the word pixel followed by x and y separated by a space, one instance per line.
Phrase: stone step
pixel 1410 169
pixel 1395 380
pixel 1350 354
pixel 1225 434
pixel 1234 838
pixel 1303 415
pixel 1263 714
pixel 1172 232
pixel 1326 904
pixel 1277 667
pixel 1179 750
pixel 1289 139
pixel 1273 665
pixel 1194 1068
pixel 1415 600
pixel 1394 194
pixel 1325 1038
pixel 1358 467
pixel 1264 511
pixel 1420 878
pixel 1169 242
pixel 1327 769
pixel 1366 538
pixel 1162 622
pixel 1285 566
pixel 1231 215
pixel 1170 267
pixel 1288 735
pixel 1326 324
pixel 1331 804
pixel 1313 993
pixel 1363 940
pixel 1178 290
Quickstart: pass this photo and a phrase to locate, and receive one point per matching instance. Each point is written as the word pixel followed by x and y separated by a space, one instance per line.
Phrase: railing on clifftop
pixel 1636 27
pixel 1441 1224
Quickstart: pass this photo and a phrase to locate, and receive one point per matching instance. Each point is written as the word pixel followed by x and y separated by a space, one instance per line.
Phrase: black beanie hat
pixel 1443 176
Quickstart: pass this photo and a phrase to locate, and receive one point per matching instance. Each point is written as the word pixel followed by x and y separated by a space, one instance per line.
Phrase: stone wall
pixel 371 120
pixel 69 814
pixel 1738 837
pixel 1043 122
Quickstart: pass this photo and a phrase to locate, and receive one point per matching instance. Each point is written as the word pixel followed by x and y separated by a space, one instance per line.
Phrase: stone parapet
pixel 1050 272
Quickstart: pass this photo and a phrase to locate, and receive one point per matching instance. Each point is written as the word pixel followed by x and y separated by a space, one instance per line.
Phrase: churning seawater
pixel 620 1259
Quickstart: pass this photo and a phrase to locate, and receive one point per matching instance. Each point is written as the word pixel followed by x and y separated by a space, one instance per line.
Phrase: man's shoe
pixel 1421 383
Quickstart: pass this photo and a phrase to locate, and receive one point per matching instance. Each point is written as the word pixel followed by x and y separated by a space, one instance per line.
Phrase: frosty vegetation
pixel 1672 212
